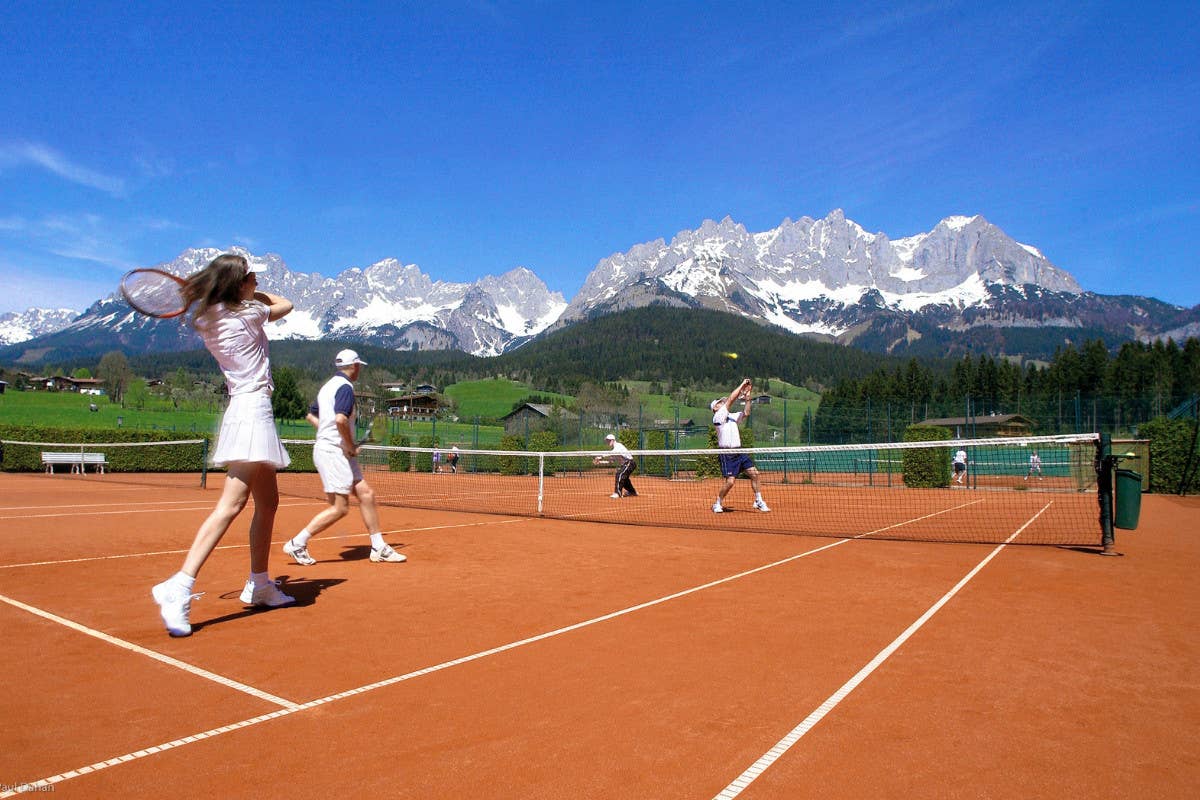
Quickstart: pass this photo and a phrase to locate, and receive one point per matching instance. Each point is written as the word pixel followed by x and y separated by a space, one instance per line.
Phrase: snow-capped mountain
pixel 21 326
pixel 820 276
pixel 963 285
pixel 388 303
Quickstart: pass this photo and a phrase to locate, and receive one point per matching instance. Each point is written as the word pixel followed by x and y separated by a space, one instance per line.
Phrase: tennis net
pixel 180 463
pixel 903 490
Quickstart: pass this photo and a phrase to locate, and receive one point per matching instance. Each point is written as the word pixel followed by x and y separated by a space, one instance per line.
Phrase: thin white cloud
pixel 23 288
pixel 246 242
pixel 82 237
pixel 39 155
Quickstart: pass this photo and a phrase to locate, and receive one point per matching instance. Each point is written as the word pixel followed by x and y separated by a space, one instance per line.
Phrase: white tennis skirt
pixel 248 433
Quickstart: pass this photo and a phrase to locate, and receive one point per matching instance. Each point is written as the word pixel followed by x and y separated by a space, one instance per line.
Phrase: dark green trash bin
pixel 1129 499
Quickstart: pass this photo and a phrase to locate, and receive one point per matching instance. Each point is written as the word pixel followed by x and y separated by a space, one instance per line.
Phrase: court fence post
pixel 1104 493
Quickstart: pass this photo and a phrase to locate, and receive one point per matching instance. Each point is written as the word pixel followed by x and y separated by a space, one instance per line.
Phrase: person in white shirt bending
pixel 730 437
pixel 623 487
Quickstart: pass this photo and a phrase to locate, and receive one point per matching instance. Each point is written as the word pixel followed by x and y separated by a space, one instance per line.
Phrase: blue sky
pixel 470 138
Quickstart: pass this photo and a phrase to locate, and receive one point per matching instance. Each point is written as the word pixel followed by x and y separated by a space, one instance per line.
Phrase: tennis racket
pixel 154 293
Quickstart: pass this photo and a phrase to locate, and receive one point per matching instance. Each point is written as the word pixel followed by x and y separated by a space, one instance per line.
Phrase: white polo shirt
pixel 726 421
pixel 335 397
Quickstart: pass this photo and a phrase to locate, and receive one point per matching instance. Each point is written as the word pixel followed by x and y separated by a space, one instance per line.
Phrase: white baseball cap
pixel 347 357
pixel 716 403
pixel 610 438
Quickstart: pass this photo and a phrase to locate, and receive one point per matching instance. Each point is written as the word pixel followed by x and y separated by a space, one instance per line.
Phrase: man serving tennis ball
pixel 730 437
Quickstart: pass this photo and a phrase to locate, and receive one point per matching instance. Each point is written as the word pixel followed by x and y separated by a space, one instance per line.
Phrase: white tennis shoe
pixel 761 505
pixel 387 554
pixel 175 604
pixel 266 595
pixel 299 553
pixel 718 508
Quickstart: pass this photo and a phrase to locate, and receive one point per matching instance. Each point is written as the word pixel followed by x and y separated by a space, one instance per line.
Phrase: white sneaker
pixel 386 553
pixel 717 508
pixel 266 595
pixel 299 553
pixel 615 496
pixel 761 505
pixel 174 603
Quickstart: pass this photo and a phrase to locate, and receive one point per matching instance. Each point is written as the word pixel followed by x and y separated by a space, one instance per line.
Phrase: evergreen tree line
pixel 1081 389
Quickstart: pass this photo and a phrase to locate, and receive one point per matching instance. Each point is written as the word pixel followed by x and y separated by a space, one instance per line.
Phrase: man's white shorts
pixel 338 473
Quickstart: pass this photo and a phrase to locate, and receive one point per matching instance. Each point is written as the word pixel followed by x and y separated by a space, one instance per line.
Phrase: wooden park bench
pixel 77 461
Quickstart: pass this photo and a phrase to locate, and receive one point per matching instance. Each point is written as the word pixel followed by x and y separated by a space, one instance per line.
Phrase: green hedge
pixel 655 440
pixel 512 465
pixel 400 460
pixel 302 457
pixel 1170 442
pixel 929 467
pixel 172 458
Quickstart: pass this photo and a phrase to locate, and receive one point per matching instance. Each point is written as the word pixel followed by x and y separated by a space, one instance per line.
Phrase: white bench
pixel 77 461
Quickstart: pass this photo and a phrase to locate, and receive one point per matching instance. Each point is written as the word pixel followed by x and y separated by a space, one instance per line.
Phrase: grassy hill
pixel 493 397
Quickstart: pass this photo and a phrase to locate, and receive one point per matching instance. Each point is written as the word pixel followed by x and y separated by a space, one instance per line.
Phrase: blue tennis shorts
pixel 734 464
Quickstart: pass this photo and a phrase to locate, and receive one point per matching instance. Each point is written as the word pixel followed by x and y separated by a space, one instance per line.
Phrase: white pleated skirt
pixel 248 433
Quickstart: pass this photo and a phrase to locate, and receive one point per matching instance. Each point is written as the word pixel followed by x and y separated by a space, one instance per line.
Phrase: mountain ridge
pixel 827 278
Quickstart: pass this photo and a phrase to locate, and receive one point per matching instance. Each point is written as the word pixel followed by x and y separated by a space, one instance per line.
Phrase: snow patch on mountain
pixel 21 326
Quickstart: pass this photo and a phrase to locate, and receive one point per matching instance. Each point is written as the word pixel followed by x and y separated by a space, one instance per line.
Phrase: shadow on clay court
pixel 305 590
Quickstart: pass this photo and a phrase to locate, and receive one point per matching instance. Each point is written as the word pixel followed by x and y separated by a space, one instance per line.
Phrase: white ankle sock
pixel 184 580
pixel 260 578
pixel 301 538
pixel 377 541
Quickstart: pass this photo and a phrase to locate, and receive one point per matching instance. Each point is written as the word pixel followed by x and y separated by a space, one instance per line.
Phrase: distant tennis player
pixel 622 487
pixel 1035 465
pixel 335 455
pixel 960 465
pixel 730 437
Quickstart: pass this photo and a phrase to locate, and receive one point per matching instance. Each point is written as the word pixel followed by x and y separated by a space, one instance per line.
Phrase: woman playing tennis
pixel 230 314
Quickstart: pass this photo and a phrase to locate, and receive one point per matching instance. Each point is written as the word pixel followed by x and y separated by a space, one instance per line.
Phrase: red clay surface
pixel 533 658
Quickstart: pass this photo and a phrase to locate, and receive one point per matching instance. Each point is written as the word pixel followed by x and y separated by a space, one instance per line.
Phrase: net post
pixel 1104 493
pixel 204 463
pixel 541 480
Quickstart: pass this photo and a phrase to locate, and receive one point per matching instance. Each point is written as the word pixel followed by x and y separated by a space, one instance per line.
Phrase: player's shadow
pixel 305 590
pixel 1088 550
pixel 361 552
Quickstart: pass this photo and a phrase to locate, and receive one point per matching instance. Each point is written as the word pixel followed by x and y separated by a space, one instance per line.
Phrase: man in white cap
pixel 625 467
pixel 730 437
pixel 335 454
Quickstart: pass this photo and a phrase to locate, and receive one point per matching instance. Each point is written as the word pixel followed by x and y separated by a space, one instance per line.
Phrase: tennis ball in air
pixel 731 355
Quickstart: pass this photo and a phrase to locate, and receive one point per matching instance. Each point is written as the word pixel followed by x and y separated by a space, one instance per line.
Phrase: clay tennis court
pixel 516 656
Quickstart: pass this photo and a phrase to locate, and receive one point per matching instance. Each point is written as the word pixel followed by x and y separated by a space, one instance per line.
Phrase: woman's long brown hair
pixel 219 282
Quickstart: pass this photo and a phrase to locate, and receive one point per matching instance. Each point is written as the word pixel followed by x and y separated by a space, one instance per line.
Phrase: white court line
pixel 207 507
pixel 99 505
pixel 783 745
pixel 112 762
pixel 239 546
pixel 173 662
